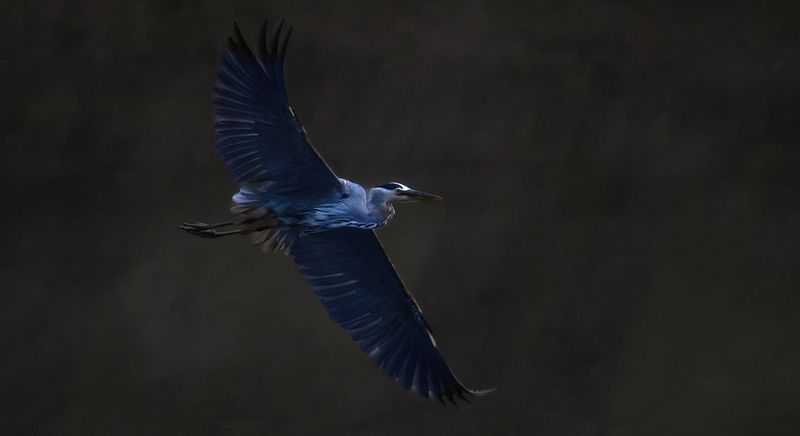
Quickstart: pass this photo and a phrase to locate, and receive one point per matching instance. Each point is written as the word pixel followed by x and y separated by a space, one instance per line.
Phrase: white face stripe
pixel 403 187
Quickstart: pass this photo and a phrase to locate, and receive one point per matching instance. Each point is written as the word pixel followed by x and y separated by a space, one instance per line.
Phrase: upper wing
pixel 359 287
pixel 258 135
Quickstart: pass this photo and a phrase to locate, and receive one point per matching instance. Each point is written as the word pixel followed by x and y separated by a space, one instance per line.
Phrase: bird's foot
pixel 204 230
pixel 198 225
pixel 198 229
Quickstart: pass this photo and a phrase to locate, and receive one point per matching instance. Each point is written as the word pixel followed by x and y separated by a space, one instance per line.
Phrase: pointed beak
pixel 421 196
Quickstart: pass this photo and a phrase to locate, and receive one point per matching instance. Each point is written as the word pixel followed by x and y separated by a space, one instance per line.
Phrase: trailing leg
pixel 204 230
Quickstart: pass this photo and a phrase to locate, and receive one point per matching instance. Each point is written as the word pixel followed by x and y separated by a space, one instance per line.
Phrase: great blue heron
pixel 290 200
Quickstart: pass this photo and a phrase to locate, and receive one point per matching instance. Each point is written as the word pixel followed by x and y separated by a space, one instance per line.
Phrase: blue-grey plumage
pixel 290 200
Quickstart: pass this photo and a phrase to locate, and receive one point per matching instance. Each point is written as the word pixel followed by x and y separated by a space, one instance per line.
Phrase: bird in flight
pixel 289 200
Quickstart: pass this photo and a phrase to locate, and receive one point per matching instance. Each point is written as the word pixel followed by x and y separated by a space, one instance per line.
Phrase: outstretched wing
pixel 259 137
pixel 359 287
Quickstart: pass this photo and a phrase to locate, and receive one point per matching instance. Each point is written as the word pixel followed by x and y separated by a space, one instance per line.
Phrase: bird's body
pixel 356 208
pixel 290 200
pixel 349 206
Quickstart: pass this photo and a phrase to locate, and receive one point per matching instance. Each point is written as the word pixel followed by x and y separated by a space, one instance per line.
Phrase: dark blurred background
pixel 617 252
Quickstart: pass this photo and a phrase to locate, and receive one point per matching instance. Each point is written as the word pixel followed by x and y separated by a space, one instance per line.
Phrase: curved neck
pixel 378 206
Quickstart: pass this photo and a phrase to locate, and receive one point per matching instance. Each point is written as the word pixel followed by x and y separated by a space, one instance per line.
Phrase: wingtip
pixel 462 395
pixel 481 392
pixel 272 39
pixel 275 35
pixel 262 38
pixel 284 42
pixel 466 394
pixel 451 399
pixel 236 31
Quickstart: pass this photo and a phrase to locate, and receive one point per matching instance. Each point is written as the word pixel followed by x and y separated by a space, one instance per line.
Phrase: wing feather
pixel 259 137
pixel 361 291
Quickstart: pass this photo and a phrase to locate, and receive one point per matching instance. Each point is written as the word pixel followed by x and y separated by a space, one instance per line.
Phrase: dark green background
pixel 617 252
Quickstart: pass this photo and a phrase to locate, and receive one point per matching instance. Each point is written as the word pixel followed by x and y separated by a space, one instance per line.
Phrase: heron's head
pixel 399 193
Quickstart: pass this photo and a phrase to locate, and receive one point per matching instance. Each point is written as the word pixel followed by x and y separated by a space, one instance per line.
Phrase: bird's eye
pixel 397 190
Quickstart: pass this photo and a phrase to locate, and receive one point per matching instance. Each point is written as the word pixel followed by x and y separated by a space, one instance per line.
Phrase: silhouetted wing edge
pixel 355 281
